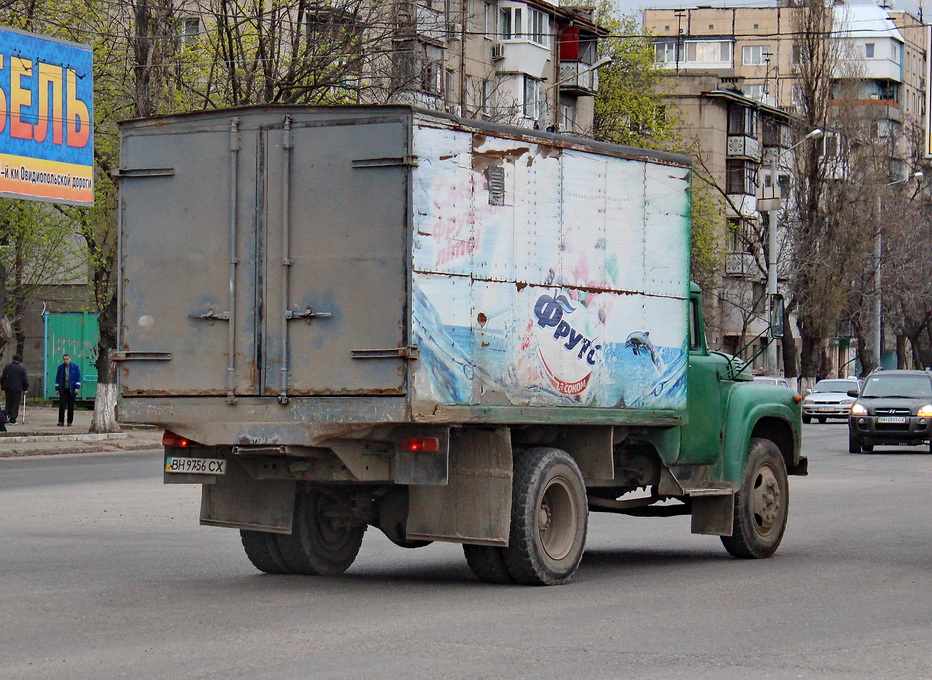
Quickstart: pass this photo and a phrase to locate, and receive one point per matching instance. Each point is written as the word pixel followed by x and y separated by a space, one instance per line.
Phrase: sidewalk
pixel 38 434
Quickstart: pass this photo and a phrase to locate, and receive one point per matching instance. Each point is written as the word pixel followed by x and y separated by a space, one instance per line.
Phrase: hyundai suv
pixel 894 407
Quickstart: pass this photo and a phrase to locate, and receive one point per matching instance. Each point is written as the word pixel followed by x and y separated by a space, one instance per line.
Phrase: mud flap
pixel 475 504
pixel 713 515
pixel 237 500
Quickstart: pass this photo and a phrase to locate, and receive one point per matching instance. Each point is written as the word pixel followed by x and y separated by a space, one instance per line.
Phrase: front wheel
pixel 854 443
pixel 761 504
pixel 807 420
pixel 324 539
pixel 549 515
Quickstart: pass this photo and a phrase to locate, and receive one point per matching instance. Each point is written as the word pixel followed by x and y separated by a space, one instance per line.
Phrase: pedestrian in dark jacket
pixel 67 384
pixel 15 383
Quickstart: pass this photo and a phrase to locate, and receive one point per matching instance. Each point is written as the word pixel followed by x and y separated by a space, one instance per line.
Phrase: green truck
pixel 449 330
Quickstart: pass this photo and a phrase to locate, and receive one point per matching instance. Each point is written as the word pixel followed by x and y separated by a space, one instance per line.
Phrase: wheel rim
pixel 766 501
pixel 557 519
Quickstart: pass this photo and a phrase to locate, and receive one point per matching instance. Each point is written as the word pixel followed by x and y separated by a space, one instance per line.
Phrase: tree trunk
pixel 105 403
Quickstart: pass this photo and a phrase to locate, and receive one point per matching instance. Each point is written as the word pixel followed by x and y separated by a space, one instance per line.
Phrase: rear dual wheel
pixel 324 540
pixel 549 516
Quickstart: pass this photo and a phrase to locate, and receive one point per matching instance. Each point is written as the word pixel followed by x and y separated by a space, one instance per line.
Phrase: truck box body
pixel 445 329
pixel 289 273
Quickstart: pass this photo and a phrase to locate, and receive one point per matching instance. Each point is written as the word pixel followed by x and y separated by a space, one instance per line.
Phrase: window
pixel 449 87
pixel 539 27
pixel 706 52
pixel 510 23
pixel 488 18
pixel 755 91
pixel 487 97
pixel 755 55
pixel 742 120
pixel 696 333
pixel 567 117
pixel 532 93
pixel 190 28
pixel 665 52
pixel 740 177
pixel 869 50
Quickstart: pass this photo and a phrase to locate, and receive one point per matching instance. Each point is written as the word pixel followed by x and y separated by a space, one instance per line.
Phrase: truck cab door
pixel 701 441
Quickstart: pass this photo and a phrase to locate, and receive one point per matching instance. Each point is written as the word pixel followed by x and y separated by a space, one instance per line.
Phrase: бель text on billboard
pixel 46 124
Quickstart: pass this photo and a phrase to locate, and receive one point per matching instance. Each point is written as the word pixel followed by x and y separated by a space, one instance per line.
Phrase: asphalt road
pixel 105 573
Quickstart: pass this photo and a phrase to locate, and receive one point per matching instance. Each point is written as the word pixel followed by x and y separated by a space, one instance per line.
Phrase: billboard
pixel 46 119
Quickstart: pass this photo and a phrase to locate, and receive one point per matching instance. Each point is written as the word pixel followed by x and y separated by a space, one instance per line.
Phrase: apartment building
pixel 879 71
pixel 529 63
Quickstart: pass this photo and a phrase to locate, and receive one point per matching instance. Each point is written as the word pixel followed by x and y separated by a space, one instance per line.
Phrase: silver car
pixel 829 399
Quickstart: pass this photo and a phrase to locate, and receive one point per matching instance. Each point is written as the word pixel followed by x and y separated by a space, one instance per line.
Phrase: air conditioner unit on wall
pixel 498 51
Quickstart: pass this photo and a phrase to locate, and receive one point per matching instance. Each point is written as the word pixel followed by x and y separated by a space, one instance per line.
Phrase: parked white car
pixel 829 399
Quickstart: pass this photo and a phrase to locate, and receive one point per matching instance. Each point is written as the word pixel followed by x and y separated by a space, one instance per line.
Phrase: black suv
pixel 894 407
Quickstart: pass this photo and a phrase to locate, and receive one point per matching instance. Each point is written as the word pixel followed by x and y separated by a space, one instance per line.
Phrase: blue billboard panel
pixel 46 119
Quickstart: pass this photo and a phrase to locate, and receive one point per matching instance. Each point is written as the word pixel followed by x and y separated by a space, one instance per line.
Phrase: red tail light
pixel 177 441
pixel 420 444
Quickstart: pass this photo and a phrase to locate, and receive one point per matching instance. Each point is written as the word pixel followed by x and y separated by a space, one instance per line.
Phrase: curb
pixel 63 438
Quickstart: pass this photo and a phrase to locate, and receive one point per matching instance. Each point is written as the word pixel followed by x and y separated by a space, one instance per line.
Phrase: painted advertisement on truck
pixel 565 292
pixel 46 119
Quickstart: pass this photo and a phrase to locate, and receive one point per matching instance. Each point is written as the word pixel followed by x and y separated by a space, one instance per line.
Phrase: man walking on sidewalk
pixel 67 384
pixel 15 383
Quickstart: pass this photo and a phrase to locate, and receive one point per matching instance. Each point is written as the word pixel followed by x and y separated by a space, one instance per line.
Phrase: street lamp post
pixel 876 307
pixel 816 133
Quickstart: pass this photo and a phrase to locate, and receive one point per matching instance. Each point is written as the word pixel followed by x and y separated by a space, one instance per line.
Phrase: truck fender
pixel 747 417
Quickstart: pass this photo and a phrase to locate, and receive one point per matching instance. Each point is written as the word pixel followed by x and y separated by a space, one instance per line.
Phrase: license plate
pixel 196 466
pixel 891 419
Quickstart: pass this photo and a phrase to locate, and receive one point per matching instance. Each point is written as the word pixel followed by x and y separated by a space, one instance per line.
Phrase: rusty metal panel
pixel 559 280
pixel 175 260
pixel 347 236
pixel 239 501
pixel 475 505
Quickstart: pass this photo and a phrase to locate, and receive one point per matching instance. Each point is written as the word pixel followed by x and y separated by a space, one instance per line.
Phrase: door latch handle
pixel 308 315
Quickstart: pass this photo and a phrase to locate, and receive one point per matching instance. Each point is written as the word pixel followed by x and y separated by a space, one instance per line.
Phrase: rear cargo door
pixel 178 183
pixel 335 248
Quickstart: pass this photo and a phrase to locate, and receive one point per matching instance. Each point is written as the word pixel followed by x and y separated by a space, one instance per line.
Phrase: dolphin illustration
pixel 639 341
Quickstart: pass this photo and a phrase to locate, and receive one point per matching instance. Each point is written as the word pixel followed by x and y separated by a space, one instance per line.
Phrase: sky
pixel 635 6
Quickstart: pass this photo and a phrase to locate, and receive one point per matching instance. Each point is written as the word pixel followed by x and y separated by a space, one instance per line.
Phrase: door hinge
pixel 140 356
pixel 123 173
pixel 411 353
pixel 409 160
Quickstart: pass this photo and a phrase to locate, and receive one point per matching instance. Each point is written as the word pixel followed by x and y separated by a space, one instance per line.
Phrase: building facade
pixel 529 63
pixel 879 62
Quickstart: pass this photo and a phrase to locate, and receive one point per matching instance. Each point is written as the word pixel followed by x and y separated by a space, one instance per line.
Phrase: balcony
pixel 741 265
pixel 744 147
pixel 413 20
pixel 577 79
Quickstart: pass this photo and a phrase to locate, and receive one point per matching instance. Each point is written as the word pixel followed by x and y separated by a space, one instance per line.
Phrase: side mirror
pixel 776 316
pixel 853 393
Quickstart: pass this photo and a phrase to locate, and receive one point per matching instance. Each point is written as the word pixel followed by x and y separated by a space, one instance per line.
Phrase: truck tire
pixel 549 515
pixel 854 443
pixel 262 550
pixel 322 542
pixel 807 420
pixel 487 563
pixel 761 504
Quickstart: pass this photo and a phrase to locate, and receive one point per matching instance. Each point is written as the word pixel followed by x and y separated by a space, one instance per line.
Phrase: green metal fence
pixel 77 334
